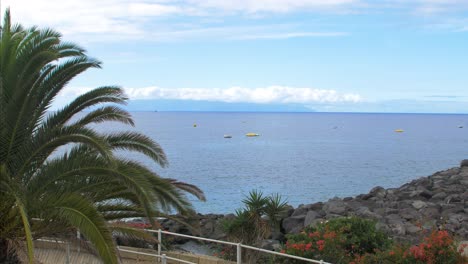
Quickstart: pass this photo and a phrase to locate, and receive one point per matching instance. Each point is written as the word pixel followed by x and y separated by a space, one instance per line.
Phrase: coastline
pixel 438 201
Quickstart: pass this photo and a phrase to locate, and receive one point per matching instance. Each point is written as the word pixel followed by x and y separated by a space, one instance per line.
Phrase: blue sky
pixel 285 55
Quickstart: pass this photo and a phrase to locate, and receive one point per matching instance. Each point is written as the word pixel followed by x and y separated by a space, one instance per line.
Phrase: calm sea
pixel 306 157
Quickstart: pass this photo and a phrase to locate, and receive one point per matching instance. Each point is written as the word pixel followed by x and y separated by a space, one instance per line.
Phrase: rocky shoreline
pixel 436 201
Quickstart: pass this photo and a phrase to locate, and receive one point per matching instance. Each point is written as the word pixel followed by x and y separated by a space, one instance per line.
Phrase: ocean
pixel 305 157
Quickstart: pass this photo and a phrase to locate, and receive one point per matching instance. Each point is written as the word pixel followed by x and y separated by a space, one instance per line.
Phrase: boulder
pixel 300 211
pixel 418 204
pixel 409 214
pixel 293 224
pixel 271 244
pixel 310 216
pixel 335 206
pixel 439 195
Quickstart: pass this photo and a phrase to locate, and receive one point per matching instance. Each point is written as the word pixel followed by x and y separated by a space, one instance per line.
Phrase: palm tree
pixel 45 190
pixel 252 224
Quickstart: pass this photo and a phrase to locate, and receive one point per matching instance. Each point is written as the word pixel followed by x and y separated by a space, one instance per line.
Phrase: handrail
pixel 239 246
pixel 163 256
pixel 285 255
pixel 194 237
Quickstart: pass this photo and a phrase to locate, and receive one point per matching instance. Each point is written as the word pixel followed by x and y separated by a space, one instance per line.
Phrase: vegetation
pixel 58 174
pixel 255 222
pixel 357 241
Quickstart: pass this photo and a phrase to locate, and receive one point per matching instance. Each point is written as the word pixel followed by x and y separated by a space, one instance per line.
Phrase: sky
pixel 268 55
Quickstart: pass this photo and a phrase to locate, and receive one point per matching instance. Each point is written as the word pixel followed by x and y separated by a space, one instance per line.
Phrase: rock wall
pixel 437 201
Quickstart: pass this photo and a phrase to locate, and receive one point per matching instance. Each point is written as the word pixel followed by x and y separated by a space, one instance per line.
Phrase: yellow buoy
pixel 399 130
pixel 252 135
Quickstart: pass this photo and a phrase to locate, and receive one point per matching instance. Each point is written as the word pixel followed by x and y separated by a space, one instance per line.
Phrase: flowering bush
pixel 437 248
pixel 339 240
pixel 356 241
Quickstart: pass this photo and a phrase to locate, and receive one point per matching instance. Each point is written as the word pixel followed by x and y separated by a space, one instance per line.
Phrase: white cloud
pixel 161 20
pixel 266 95
pixel 271 94
pixel 156 20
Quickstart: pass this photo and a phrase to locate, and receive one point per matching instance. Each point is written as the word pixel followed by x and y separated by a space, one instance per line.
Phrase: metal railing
pixel 164 258
pixel 238 245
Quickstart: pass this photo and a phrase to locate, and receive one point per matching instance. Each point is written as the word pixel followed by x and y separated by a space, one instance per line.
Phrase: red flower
pixel 321 244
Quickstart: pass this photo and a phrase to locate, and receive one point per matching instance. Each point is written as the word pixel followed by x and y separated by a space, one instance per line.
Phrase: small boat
pixel 194 125
pixel 252 135
pixel 460 126
pixel 399 130
pixel 227 136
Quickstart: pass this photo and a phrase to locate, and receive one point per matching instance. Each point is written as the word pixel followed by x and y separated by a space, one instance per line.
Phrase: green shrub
pixel 359 235
pixel 357 241
pixel 437 248
pixel 339 240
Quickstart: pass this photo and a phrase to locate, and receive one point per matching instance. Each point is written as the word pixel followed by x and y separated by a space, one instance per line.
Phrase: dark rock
pixel 310 216
pixel 432 212
pixel 464 163
pixel 453 198
pixel 409 214
pixel 335 206
pixel 271 244
pixel 293 224
pixel 418 204
pixel 440 195
pixel 389 211
pixel 300 211
pixel 314 206
pixel 378 192
pixel 412 229
pixel 366 213
pixel 289 210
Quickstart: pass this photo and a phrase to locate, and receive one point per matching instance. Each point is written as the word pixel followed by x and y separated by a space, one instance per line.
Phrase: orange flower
pixel 329 235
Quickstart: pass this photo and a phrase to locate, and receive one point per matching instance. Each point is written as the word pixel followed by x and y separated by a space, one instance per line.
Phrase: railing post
pixel 239 253
pixel 164 259
pixel 78 236
pixel 68 253
pixel 159 241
